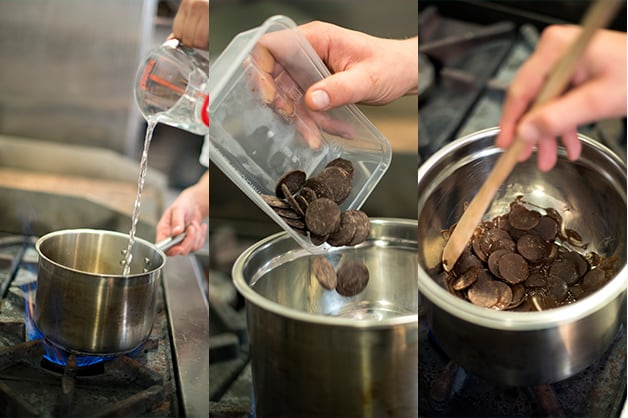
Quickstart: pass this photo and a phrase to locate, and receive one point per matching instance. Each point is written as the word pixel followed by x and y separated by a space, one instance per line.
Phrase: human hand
pixel 186 213
pixel 597 91
pixel 191 24
pixel 391 63
pixel 365 69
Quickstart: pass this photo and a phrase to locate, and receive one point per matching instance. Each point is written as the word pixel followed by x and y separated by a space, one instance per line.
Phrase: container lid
pixel 261 129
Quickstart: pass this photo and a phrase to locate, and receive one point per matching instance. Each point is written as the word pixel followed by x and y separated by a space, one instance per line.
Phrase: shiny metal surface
pixel 188 316
pixel 83 302
pixel 315 353
pixel 524 348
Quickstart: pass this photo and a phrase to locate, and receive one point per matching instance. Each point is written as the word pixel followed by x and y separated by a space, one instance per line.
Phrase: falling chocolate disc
pixel 513 268
pixel 324 272
pixel 532 247
pixel 294 180
pixel 352 276
pixel 522 218
pixel 322 216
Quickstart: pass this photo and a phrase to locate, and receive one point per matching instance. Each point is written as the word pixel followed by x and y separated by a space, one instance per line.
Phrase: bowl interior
pixel 589 194
pixel 277 274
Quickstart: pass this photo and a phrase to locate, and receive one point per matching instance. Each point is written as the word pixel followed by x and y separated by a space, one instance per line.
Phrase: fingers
pixel 191 23
pixel 340 89
pixel 196 234
pixel 581 105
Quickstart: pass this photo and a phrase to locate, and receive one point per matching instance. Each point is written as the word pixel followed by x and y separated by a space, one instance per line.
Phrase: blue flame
pixel 51 353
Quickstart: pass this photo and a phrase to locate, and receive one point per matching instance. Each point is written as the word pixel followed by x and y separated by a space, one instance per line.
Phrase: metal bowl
pixel 524 348
pixel 315 353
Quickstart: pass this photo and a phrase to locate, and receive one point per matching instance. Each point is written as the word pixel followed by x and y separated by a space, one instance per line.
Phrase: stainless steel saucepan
pixel 84 304
pixel 525 348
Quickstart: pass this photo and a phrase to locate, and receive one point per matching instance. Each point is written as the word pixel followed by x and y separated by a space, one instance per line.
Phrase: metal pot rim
pixel 515 321
pixel 77 231
pixel 258 300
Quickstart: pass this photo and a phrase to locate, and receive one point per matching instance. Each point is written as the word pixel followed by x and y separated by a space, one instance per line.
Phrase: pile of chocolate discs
pixel 518 261
pixel 311 205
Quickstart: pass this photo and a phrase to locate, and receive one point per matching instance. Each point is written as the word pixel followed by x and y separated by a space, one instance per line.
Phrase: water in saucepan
pixel 128 254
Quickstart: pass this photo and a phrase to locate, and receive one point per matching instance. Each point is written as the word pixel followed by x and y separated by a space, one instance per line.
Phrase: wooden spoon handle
pixel 598 16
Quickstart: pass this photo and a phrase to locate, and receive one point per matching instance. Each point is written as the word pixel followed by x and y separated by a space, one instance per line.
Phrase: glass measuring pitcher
pixel 171 87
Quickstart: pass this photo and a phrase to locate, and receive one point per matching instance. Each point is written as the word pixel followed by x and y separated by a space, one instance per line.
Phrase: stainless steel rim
pixel 88 231
pixel 259 301
pixel 514 321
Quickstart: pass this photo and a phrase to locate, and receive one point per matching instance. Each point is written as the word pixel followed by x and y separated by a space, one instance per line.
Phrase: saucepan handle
pixel 167 243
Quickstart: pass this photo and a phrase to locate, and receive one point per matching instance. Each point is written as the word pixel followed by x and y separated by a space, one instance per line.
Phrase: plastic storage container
pixel 260 128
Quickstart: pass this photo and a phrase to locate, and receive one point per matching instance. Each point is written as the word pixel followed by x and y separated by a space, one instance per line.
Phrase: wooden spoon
pixel 598 16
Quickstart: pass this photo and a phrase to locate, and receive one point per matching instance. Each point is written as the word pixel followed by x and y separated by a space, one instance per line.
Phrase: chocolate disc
pixel 353 276
pixel 292 201
pixel 565 269
pixel 579 262
pixel 344 164
pixel 302 202
pixel 294 180
pixel 505 296
pixel 557 288
pixel 547 228
pixel 288 213
pixel 535 280
pixel 319 188
pixel 318 239
pixel 466 261
pixel 518 296
pixel 513 268
pixel 362 228
pixel 346 230
pixel 322 216
pixel 308 194
pixel 466 279
pixel 522 218
pixel 274 201
pixel 493 261
pixel 324 272
pixel 532 247
pixel 338 181
pixel 484 292
pixel 295 223
pixel 593 280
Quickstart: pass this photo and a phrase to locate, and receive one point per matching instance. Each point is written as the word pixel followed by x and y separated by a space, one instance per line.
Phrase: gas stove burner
pixel 93 369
